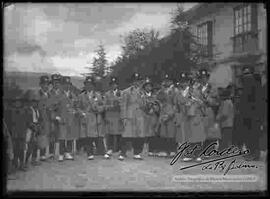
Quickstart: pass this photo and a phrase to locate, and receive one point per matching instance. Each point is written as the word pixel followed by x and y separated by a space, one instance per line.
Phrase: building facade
pixel 233 35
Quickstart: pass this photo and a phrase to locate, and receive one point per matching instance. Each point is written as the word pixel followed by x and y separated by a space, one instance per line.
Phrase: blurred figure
pixel 225 117
pixel 249 109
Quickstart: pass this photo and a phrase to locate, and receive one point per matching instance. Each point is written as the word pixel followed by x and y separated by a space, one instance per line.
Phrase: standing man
pixel 54 107
pixel 132 117
pixel 92 107
pixel 67 131
pixel 181 104
pixel 33 130
pixel 45 125
pixel 250 111
pixel 151 109
pixel 112 117
pixel 167 117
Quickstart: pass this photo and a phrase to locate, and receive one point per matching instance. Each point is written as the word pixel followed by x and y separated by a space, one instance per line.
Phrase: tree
pixel 99 63
pixel 137 40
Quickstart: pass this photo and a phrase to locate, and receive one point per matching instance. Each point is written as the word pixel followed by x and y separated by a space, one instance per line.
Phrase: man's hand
pixel 58 118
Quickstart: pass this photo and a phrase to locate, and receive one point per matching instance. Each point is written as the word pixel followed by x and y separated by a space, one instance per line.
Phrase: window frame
pixel 252 31
pixel 205 37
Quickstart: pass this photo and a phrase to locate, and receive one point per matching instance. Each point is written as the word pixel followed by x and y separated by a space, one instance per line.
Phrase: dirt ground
pixel 150 174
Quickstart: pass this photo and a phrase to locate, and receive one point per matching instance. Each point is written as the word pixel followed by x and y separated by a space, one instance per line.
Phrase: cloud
pixel 26 48
pixel 28 62
pixel 142 20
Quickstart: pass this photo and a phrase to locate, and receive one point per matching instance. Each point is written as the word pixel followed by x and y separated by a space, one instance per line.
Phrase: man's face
pixel 44 87
pixel 148 87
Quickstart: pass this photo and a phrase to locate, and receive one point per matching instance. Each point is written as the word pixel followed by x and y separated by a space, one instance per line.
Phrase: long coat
pixel 131 111
pixel 195 119
pixel 167 114
pixel 150 113
pixel 182 132
pixel 113 122
pixel 44 117
pixel 68 124
pixel 54 107
pixel 92 108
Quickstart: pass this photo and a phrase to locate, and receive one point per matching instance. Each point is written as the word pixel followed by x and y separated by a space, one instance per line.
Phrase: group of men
pixel 185 109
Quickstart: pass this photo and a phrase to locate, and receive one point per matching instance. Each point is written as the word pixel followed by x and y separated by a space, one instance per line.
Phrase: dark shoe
pixel 23 168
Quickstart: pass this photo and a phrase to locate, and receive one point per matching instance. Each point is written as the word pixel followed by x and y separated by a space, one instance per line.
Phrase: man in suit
pixel 114 126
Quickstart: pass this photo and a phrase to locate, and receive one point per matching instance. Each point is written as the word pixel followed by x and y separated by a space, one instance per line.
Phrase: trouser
pixel 88 144
pixel 157 144
pixel 65 147
pixel 251 138
pixel 226 138
pixel 196 152
pixel 113 142
pixel 168 144
pixel 32 150
pixel 18 148
pixel 137 145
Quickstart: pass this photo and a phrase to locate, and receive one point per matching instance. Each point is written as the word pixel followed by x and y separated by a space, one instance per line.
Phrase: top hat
pixel 113 80
pixel 44 79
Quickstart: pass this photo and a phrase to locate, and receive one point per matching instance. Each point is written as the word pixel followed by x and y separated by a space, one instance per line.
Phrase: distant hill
pixel 30 80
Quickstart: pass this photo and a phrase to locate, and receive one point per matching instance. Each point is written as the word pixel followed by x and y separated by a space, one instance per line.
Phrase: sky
pixel 62 37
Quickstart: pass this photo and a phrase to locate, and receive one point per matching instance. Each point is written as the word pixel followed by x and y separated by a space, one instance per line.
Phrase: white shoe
pixel 68 156
pixel 106 156
pixel 43 158
pixel 61 158
pixel 162 154
pixel 137 157
pixel 199 159
pixel 150 154
pixel 187 159
pixel 172 154
pixel 121 157
pixel 110 152
pixel 90 157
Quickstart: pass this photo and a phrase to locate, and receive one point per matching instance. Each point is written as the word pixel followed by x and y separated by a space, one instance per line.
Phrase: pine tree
pixel 99 64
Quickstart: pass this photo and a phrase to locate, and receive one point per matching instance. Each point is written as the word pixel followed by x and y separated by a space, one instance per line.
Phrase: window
pixel 245 25
pixel 204 34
